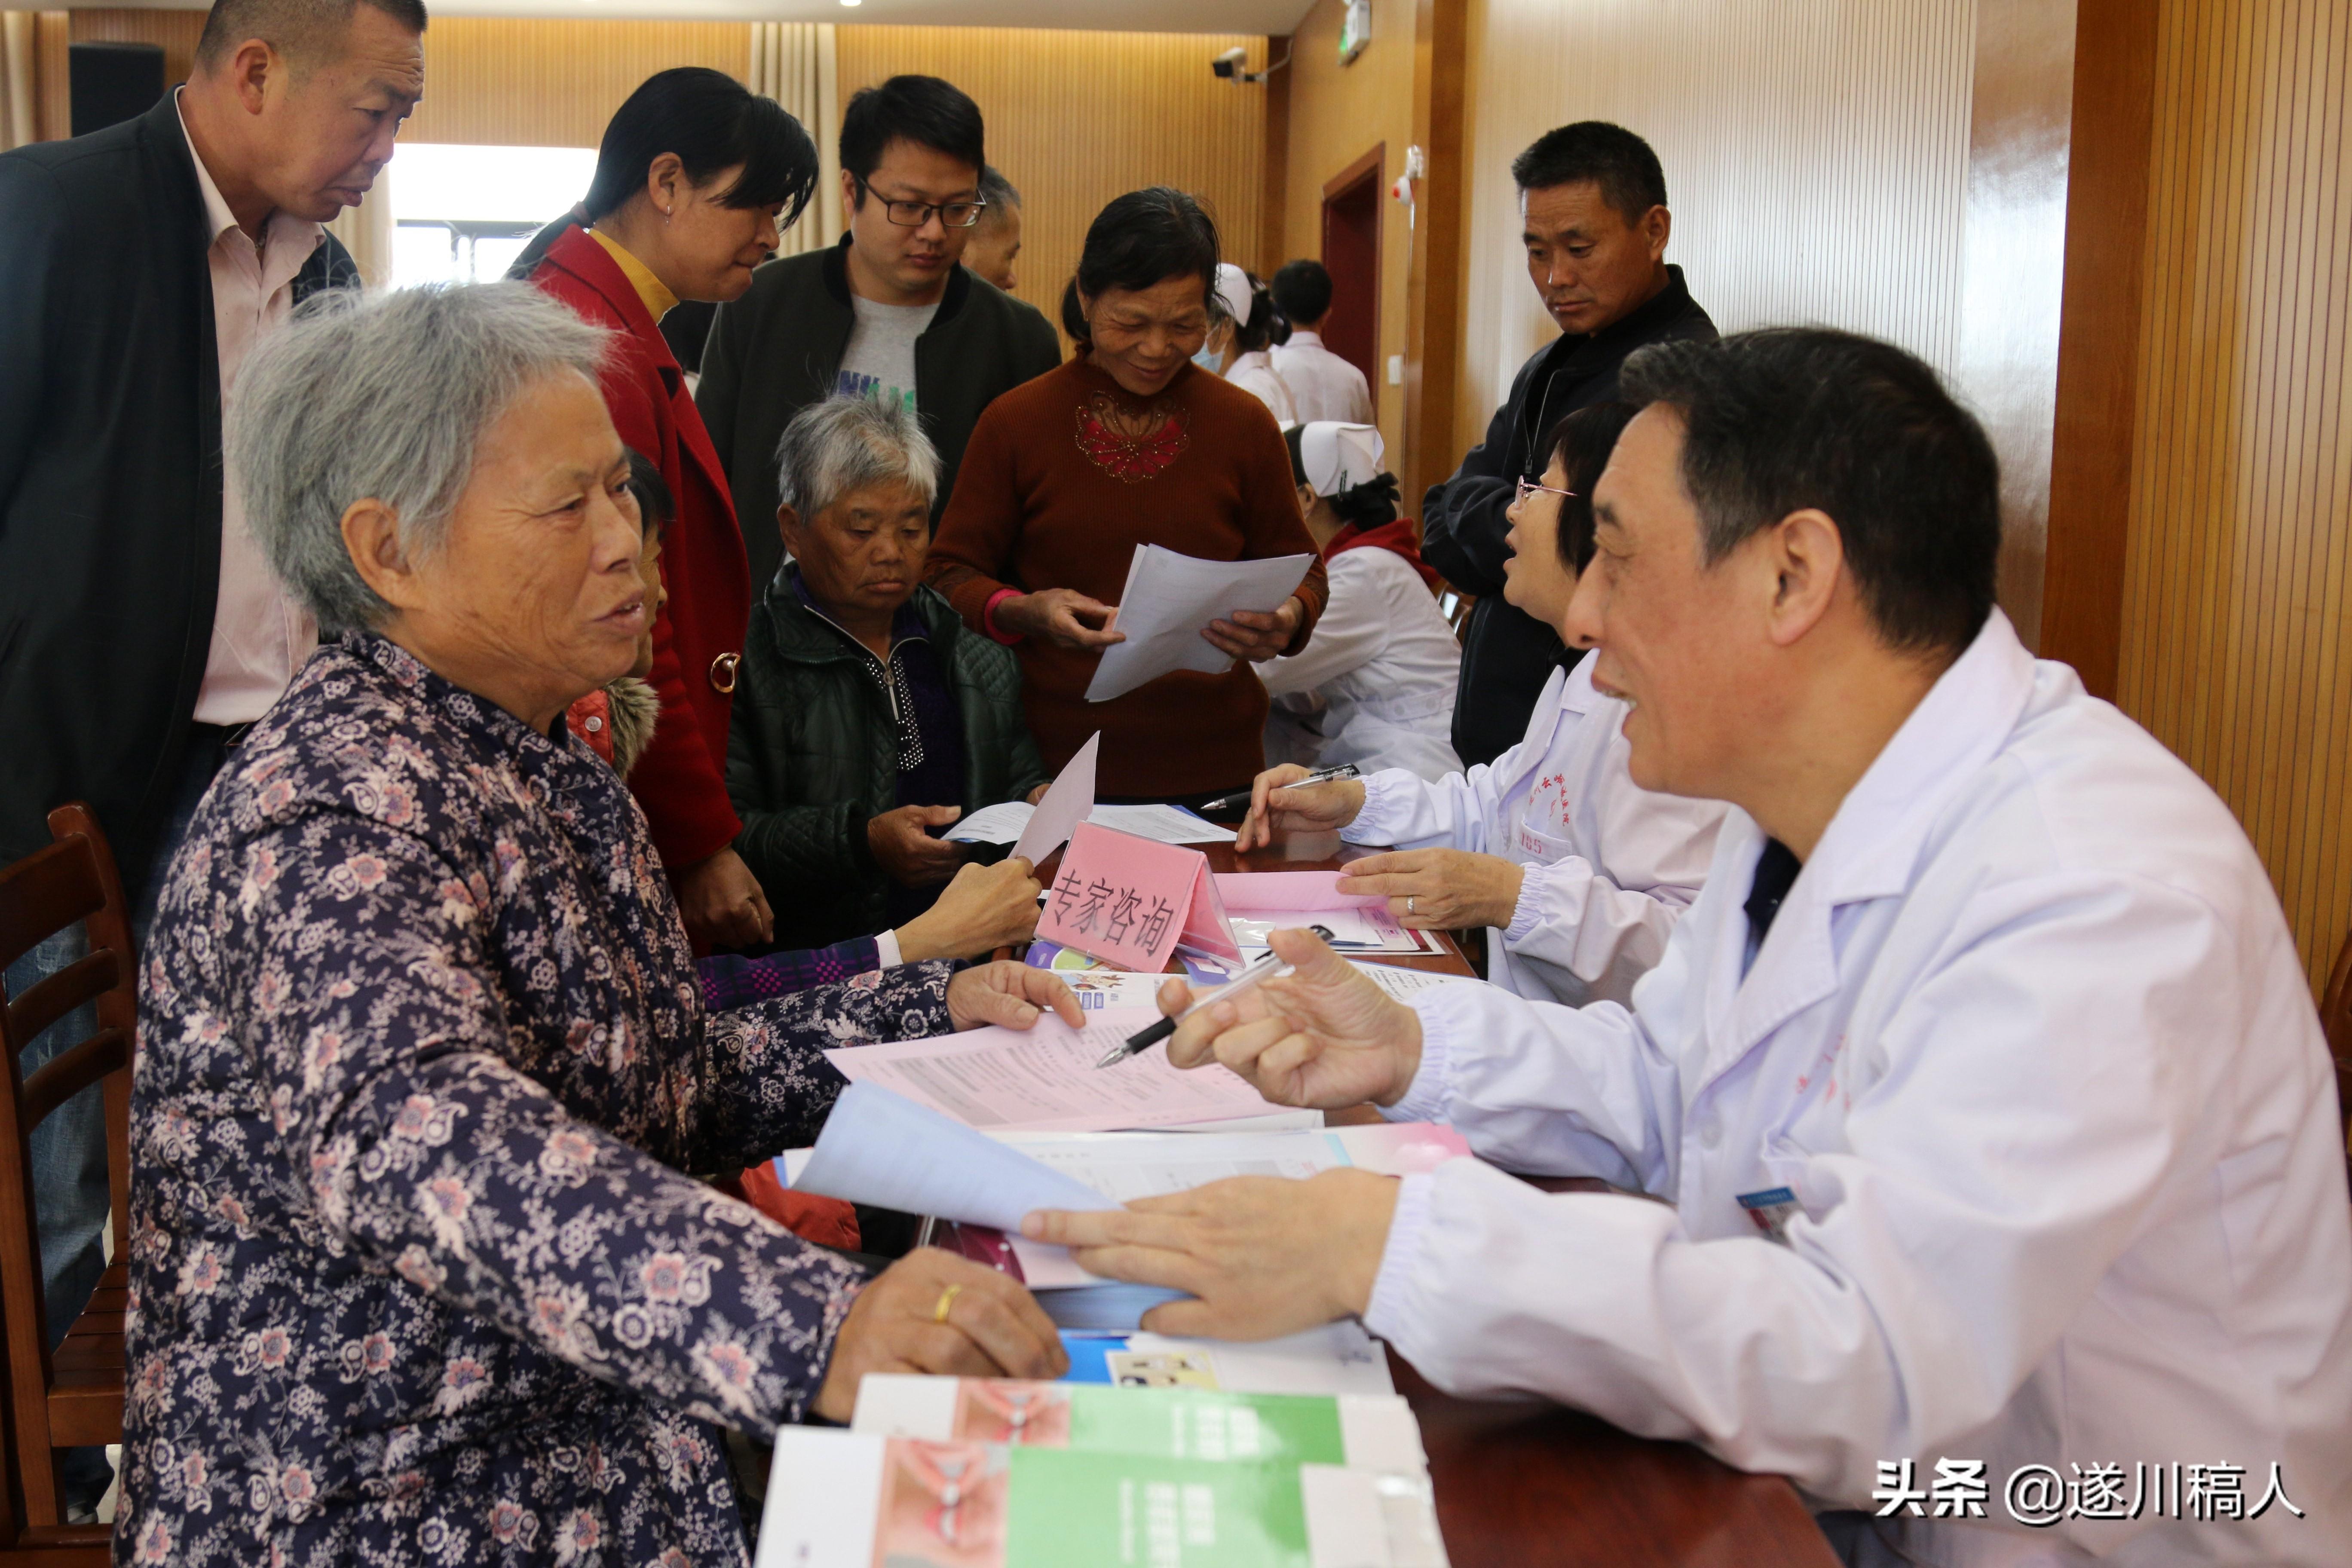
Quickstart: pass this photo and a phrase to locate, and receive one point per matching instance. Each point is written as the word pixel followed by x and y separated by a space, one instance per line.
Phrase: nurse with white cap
pixel 1241 341
pixel 1375 686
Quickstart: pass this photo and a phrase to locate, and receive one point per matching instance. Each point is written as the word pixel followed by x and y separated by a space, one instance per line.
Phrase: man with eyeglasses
pixel 1594 217
pixel 888 313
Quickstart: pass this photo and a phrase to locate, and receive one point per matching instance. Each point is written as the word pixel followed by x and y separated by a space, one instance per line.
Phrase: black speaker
pixel 112 83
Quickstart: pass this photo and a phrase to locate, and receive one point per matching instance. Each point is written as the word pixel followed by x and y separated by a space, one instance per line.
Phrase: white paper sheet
pixel 1170 599
pixel 998 824
pixel 1066 803
pixel 1406 984
pixel 1166 823
pixel 884 1150
pixel 1045 1078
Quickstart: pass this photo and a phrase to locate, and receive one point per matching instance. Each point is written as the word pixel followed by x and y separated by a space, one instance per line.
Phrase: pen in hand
pixel 1320 775
pixel 1266 967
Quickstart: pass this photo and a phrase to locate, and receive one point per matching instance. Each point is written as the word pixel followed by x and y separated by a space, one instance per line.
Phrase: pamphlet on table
pixel 1173 1421
pixel 846 1499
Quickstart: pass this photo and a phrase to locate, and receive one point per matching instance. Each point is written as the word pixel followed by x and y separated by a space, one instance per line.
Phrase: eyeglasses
pixel 1529 487
pixel 915 215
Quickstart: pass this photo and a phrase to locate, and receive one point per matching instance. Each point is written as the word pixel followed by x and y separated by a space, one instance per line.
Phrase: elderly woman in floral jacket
pixel 421 1269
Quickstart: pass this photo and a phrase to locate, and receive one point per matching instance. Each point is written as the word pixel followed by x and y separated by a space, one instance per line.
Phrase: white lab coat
pixel 2029 1043
pixel 1611 866
pixel 1255 373
pixel 1374 686
pixel 1322 384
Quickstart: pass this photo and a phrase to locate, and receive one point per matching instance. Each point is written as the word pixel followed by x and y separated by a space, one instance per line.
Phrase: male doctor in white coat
pixel 2005 1205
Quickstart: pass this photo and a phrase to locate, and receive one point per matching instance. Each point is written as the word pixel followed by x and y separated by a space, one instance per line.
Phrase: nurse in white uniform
pixel 1578 873
pixel 2004 1172
pixel 1242 341
pixel 1375 687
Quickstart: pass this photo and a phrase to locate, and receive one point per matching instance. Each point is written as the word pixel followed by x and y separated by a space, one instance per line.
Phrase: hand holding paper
pixel 1065 806
pixel 1168 600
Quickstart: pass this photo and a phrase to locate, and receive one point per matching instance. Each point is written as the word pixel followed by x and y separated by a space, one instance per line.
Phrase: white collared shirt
pixel 2026 1072
pixel 260 635
pixel 1322 384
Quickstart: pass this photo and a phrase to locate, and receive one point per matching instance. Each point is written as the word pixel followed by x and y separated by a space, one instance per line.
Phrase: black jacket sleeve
pixel 1463 518
pixel 715 394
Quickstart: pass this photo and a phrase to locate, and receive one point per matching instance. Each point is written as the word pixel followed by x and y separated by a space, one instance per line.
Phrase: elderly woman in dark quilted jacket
pixel 420 1269
pixel 867 717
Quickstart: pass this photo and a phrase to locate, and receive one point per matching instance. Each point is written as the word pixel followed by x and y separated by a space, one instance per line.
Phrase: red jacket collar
pixel 1401 537
pixel 577 252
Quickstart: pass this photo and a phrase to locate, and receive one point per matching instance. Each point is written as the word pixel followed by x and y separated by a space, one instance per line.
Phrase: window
pixel 462 214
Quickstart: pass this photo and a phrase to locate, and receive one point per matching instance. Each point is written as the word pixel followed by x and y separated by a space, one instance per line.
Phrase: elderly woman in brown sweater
pixel 1130 443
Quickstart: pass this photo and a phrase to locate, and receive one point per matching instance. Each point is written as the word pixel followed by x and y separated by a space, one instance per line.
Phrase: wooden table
pixel 1526 1483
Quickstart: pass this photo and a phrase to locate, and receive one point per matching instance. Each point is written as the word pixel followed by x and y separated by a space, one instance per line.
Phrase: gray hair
pixel 841 444
pixel 998 192
pixel 383 397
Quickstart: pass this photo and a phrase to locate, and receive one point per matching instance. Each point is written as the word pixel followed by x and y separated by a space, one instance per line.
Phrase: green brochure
pixel 847 1500
pixel 1366 1431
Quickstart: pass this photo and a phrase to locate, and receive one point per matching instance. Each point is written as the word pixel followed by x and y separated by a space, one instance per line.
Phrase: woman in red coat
pixel 695 180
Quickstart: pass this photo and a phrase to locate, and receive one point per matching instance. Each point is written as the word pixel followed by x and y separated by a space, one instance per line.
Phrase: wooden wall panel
pixel 1816 151
pixel 1338 113
pixel 542 82
pixel 1074 119
pixel 2236 649
pixel 176 31
pixel 2098 356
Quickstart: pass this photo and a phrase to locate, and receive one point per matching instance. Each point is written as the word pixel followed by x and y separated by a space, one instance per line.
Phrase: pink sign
pixel 1124 899
pixel 1292 891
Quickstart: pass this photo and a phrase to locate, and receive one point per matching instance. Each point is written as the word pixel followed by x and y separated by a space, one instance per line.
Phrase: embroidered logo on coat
pixel 1131 444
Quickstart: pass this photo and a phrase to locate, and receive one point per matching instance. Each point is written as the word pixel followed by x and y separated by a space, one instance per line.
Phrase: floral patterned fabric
pixel 419 1270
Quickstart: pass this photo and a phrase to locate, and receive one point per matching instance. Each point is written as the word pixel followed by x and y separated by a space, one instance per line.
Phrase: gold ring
pixel 947 1299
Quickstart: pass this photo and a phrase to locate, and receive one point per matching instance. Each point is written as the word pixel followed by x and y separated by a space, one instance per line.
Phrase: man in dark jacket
pixel 1593 202
pixel 140 628
pixel 867 717
pixel 888 313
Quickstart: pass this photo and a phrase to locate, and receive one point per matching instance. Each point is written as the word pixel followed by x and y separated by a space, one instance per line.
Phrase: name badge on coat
pixel 1770 1210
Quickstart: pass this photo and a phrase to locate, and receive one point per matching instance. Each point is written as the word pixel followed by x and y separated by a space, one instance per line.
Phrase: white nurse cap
pixel 1234 291
pixel 1340 457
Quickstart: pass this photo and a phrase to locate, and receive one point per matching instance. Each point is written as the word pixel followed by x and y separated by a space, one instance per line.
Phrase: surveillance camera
pixel 1234 56
pixel 1228 66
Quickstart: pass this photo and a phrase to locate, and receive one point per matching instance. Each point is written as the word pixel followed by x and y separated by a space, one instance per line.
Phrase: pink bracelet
pixel 988 615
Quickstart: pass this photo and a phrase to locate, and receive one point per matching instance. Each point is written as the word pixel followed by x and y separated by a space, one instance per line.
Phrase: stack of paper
pixel 883 1150
pixel 1044 1077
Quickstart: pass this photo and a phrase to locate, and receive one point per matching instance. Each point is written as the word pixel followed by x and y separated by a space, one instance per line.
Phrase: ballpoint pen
pixel 1265 967
pixel 1320 775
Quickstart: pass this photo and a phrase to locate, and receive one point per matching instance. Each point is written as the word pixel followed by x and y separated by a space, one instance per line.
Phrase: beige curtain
pixel 793 62
pixel 366 232
pixel 18 93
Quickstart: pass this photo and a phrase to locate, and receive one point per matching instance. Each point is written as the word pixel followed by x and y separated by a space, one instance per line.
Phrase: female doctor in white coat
pixel 1375 687
pixel 1578 873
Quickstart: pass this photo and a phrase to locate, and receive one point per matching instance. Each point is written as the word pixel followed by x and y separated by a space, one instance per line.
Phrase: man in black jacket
pixel 137 265
pixel 1593 204
pixel 888 314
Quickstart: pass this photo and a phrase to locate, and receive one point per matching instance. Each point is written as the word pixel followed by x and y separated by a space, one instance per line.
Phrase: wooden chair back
pixel 73 1397
pixel 2336 1019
